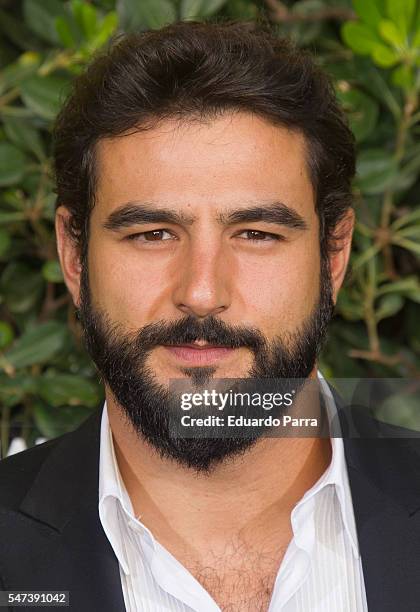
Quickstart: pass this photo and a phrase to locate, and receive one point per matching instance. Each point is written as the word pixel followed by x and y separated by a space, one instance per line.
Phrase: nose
pixel 203 285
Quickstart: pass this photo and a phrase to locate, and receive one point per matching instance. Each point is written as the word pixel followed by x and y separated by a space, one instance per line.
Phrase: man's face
pixel 257 273
pixel 218 235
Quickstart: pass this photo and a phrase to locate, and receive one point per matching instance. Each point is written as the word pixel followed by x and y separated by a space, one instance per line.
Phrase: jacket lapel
pixel 63 499
pixel 383 463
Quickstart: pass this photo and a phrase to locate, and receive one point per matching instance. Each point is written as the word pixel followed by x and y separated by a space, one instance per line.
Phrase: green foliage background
pixel 371 48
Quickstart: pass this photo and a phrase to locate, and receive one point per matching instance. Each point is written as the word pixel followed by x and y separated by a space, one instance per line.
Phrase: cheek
pixel 283 291
pixel 126 290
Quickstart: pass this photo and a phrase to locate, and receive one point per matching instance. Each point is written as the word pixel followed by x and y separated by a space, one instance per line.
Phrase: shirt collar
pixel 111 489
pixel 336 473
pixel 111 485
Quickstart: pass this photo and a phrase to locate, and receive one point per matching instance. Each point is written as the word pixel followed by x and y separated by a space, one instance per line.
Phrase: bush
pixel 372 50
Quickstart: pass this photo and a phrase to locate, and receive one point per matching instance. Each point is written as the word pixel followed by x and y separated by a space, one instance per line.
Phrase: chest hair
pixel 241 579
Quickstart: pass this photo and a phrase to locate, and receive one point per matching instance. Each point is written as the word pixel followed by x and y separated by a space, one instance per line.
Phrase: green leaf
pixel 53 422
pixel 24 135
pixel 192 9
pixel 146 14
pixel 304 30
pixel 384 56
pixel 20 70
pixel 404 220
pixel 12 164
pixel 414 296
pixel 88 20
pixel 5 241
pixel 408 174
pixel 242 9
pixel 17 32
pixel 406 286
pixel 403 77
pixel 38 344
pixel 410 245
pixel 52 272
pixel 364 257
pixel 11 217
pixel 362 111
pixel 376 170
pixel 378 86
pixel 21 286
pixel 77 10
pixel 70 389
pixel 369 11
pixel 401 12
pixel 389 305
pixel 351 309
pixel 40 16
pixel 65 33
pixel 416 40
pixel 411 231
pixel 105 30
pixel 84 20
pixel 359 37
pixel 6 334
pixel 14 388
pixel 44 95
pixel 391 34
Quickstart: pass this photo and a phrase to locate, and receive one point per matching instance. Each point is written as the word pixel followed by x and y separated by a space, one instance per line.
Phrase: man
pixel 204 226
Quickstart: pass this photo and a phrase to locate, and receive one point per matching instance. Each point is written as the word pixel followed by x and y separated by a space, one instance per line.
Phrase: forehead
pixel 205 166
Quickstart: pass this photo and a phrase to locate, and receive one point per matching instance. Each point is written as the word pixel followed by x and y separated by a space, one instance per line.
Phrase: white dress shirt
pixel 321 570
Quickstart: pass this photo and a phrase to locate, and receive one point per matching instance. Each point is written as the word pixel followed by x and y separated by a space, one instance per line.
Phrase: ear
pixel 340 257
pixel 68 254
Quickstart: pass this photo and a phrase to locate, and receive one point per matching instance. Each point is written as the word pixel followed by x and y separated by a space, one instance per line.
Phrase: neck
pixel 250 493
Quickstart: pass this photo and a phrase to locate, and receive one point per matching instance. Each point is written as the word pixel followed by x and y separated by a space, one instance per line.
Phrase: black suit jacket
pixel 51 537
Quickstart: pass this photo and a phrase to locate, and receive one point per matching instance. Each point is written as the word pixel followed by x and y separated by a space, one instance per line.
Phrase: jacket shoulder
pixel 18 472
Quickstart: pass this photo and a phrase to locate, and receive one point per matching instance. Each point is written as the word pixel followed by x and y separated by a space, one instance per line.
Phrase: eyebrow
pixel 275 212
pixel 135 213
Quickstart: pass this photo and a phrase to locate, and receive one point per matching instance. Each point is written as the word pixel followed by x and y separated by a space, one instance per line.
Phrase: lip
pixel 199 355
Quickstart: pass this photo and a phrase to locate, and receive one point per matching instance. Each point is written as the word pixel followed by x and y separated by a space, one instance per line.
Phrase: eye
pixel 158 235
pixel 260 236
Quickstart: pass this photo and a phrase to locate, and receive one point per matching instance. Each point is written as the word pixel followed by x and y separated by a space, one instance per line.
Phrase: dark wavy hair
pixel 197 71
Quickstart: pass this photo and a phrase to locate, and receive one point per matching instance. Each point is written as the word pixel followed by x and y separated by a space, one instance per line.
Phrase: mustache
pixel 190 329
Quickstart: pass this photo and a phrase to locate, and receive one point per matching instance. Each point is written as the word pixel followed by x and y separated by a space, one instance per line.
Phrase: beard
pixel 121 359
